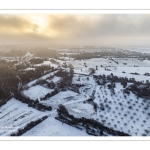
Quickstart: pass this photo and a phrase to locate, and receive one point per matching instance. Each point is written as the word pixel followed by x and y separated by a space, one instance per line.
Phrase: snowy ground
pixel 80 110
pixel 55 79
pixel 147 61
pixel 28 69
pixel 53 127
pixel 61 98
pixel 47 63
pixel 37 92
pixel 130 62
pixel 119 72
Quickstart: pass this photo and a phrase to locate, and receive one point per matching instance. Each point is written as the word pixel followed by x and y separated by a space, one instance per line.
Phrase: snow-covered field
pixel 53 127
pixel 81 79
pixel 28 69
pixel 80 110
pixel 47 63
pixel 55 79
pixel 146 61
pixel 15 115
pixel 127 65
pixel 37 92
pixel 61 98
pixel 108 62
pixel 130 62
pixel 119 72
pixel 42 78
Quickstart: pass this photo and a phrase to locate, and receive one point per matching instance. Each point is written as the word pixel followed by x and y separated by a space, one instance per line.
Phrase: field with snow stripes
pixel 15 115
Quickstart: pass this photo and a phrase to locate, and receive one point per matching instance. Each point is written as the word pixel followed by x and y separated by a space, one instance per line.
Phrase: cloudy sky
pixel 88 29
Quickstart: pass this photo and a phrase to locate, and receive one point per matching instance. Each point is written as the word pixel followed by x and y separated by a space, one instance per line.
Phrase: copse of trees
pixel 62 110
pixel 124 83
pixel 44 52
pixel 7 84
pixel 22 66
pixel 71 73
pixel 66 77
pixel 140 89
pixel 146 74
pixel 91 70
pixel 111 78
pixel 36 60
pixel 4 96
pixel 27 76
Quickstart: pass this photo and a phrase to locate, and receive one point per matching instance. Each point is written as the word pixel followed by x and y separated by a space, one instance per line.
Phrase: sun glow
pixel 39 20
pixel 41 25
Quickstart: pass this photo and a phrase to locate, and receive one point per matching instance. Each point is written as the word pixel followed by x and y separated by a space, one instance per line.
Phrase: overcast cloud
pixel 94 29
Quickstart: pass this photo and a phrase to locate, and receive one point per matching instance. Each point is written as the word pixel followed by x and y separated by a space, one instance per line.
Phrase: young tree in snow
pixel 125 124
pixel 125 115
pixel 131 117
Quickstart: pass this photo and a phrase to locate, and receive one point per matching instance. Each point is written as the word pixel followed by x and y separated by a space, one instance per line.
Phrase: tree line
pixel 29 126
pixel 91 126
pixel 31 103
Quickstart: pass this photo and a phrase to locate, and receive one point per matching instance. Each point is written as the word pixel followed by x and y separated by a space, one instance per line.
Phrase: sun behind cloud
pixel 96 29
